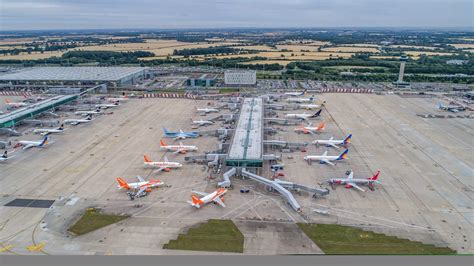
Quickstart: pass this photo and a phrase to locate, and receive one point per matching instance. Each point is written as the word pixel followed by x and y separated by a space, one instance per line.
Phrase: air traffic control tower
pixel 246 149
pixel 400 83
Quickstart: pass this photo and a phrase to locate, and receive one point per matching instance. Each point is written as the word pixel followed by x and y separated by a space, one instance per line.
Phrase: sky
pixel 175 14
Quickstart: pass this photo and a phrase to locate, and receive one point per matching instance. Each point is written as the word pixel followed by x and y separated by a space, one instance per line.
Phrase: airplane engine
pixel 148 190
pixel 166 169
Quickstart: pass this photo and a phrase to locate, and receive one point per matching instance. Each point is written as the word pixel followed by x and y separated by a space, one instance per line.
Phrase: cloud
pixel 90 14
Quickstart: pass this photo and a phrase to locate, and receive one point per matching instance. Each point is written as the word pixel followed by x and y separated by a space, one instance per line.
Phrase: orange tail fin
pixel 321 126
pixel 162 143
pixel 146 159
pixel 196 200
pixel 122 183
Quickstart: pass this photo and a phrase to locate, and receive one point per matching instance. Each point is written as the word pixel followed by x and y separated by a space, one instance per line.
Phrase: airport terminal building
pixel 77 76
pixel 240 77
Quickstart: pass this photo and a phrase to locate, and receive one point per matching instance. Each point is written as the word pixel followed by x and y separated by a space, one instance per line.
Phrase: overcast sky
pixel 156 14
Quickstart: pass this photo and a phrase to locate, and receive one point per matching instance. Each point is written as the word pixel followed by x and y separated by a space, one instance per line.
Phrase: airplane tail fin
pixel 162 143
pixel 165 131
pixel 122 183
pixel 89 117
pixel 440 106
pixel 61 127
pixel 323 103
pixel 318 113
pixel 5 155
pixel 343 155
pixel 347 139
pixel 146 159
pixel 196 200
pixel 7 101
pixel 376 176
pixel 44 141
pixel 321 126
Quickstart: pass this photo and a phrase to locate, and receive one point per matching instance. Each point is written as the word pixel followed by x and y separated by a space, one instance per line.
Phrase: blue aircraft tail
pixel 44 141
pixel 347 139
pixel 343 155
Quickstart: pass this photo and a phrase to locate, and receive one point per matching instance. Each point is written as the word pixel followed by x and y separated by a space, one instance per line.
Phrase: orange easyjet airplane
pixel 215 197
pixel 177 148
pixel 309 129
pixel 142 186
pixel 162 166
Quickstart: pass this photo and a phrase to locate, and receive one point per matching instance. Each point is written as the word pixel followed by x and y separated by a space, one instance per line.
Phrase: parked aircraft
pixel 89 112
pixel 202 122
pixel 207 110
pixel 309 129
pixel 177 148
pixel 106 105
pixel 47 131
pixel 300 100
pixel 5 157
pixel 350 181
pixel 294 94
pixel 311 106
pixel 30 144
pixel 325 158
pixel 15 104
pixel 304 116
pixel 117 99
pixel 215 197
pixel 333 142
pixel 75 122
pixel 142 187
pixel 451 108
pixel 180 135
pixel 162 166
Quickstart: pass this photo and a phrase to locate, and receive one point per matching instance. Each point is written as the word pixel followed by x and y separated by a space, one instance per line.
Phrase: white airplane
pixel 207 110
pixel 89 112
pixel 75 122
pixel 117 99
pixel 5 157
pixel 202 122
pixel 304 116
pixel 106 105
pixel 311 106
pixel 47 131
pixel 142 186
pixel 215 197
pixel 333 142
pixel 30 144
pixel 325 158
pixel 350 181
pixel 300 100
pixel 178 148
pixel 294 94
pixel 162 166
pixel 15 104
pixel 309 129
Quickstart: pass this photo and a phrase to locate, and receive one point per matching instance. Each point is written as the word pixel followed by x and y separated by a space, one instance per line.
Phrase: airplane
pixel 295 94
pixel 215 197
pixel 304 116
pixel 163 166
pixel 177 148
pixel 76 122
pixel 334 142
pixel 106 105
pixel 311 106
pixel 117 99
pixel 142 187
pixel 451 108
pixel 15 104
pixel 180 135
pixel 89 112
pixel 5 157
pixel 300 100
pixel 350 181
pixel 47 131
pixel 325 158
pixel 207 110
pixel 309 129
pixel 30 144
pixel 202 122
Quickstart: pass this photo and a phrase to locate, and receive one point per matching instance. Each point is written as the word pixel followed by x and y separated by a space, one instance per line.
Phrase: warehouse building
pixel 78 76
pixel 240 77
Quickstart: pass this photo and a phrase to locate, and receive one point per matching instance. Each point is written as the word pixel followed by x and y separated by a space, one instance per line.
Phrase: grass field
pixel 417 54
pixel 92 220
pixel 215 235
pixel 338 239
pixel 268 62
pixel 463 45
pixel 350 49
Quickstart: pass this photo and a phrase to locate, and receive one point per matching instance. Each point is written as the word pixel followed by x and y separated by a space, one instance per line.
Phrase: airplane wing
pixel 219 201
pixel 45 133
pixel 177 151
pixel 202 194
pixel 159 170
pixel 356 186
pixel 75 123
pixel 140 191
pixel 140 179
pixel 333 145
pixel 331 138
pixel 325 153
pixel 328 162
pixel 28 146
